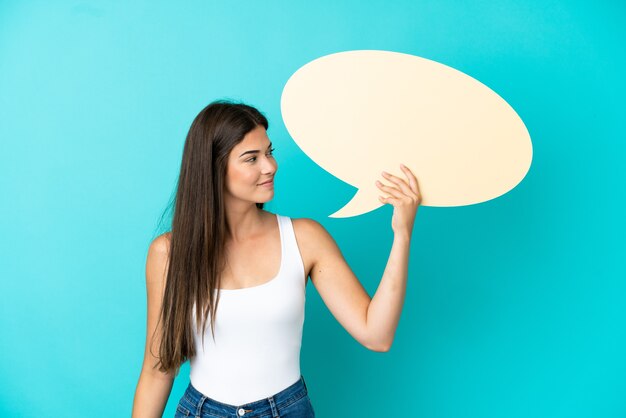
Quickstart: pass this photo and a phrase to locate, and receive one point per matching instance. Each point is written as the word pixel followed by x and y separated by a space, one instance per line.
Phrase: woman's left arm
pixel 383 313
pixel 371 321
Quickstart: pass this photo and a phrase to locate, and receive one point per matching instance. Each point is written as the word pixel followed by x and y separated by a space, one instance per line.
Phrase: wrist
pixel 402 236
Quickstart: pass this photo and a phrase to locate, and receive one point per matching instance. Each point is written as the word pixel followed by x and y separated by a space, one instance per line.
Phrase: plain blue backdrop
pixel 515 307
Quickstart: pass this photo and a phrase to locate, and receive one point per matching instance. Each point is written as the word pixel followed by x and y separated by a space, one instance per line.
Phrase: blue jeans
pixel 291 402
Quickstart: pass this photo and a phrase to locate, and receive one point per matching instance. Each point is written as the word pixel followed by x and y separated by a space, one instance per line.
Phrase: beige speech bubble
pixel 358 113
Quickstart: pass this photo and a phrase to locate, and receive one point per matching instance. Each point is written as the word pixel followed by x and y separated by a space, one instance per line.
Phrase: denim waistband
pixel 200 404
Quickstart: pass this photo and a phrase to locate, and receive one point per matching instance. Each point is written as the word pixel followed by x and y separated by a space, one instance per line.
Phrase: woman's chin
pixel 265 199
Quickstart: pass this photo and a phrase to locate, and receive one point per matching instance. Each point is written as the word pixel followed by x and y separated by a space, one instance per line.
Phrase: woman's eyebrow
pixel 254 151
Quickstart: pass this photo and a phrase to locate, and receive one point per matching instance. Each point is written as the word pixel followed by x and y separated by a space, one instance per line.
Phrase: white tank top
pixel 258 334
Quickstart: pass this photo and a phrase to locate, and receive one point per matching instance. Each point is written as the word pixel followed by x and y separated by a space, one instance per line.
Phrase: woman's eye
pixel 249 160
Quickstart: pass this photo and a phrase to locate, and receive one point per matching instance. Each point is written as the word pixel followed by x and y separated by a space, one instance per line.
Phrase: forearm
pixel 383 313
pixel 151 396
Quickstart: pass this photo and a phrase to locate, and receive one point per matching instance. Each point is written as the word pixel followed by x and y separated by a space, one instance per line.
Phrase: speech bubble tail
pixel 362 202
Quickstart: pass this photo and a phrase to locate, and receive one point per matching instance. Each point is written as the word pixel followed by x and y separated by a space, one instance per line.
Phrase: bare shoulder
pixel 161 244
pixel 307 225
pixel 309 229
pixel 158 256
pixel 315 242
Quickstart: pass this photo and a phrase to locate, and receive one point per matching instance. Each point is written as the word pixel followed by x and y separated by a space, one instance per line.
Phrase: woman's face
pixel 250 164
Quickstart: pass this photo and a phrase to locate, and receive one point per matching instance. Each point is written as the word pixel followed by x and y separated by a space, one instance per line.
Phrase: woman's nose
pixel 270 165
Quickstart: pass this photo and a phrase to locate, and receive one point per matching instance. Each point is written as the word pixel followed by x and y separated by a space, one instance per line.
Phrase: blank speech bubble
pixel 357 113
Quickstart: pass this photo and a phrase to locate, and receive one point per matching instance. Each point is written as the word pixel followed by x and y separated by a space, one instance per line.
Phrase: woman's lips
pixel 268 184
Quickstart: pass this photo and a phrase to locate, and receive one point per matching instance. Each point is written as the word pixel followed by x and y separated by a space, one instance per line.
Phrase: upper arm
pixel 334 280
pixel 156 275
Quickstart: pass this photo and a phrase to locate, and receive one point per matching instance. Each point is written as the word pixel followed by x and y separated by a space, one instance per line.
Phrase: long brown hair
pixel 196 257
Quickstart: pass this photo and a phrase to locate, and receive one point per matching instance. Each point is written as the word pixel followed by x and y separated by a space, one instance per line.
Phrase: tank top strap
pixel 293 260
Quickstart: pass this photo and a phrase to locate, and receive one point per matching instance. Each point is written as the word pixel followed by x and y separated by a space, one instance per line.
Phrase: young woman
pixel 225 250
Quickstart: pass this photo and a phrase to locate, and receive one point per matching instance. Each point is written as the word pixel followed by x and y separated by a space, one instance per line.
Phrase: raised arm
pixel 371 321
pixel 154 387
pixel 384 311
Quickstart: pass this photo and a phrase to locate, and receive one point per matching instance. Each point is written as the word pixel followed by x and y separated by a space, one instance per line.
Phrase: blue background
pixel 515 307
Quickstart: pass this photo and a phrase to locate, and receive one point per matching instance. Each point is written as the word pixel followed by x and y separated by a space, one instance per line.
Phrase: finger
pixel 412 179
pixel 387 200
pixel 401 183
pixel 389 189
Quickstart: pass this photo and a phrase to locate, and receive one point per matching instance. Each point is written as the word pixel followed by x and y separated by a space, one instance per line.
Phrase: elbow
pixel 379 348
pixel 384 348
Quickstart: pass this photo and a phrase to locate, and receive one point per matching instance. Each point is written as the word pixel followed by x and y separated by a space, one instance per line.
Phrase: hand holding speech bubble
pixel 358 113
